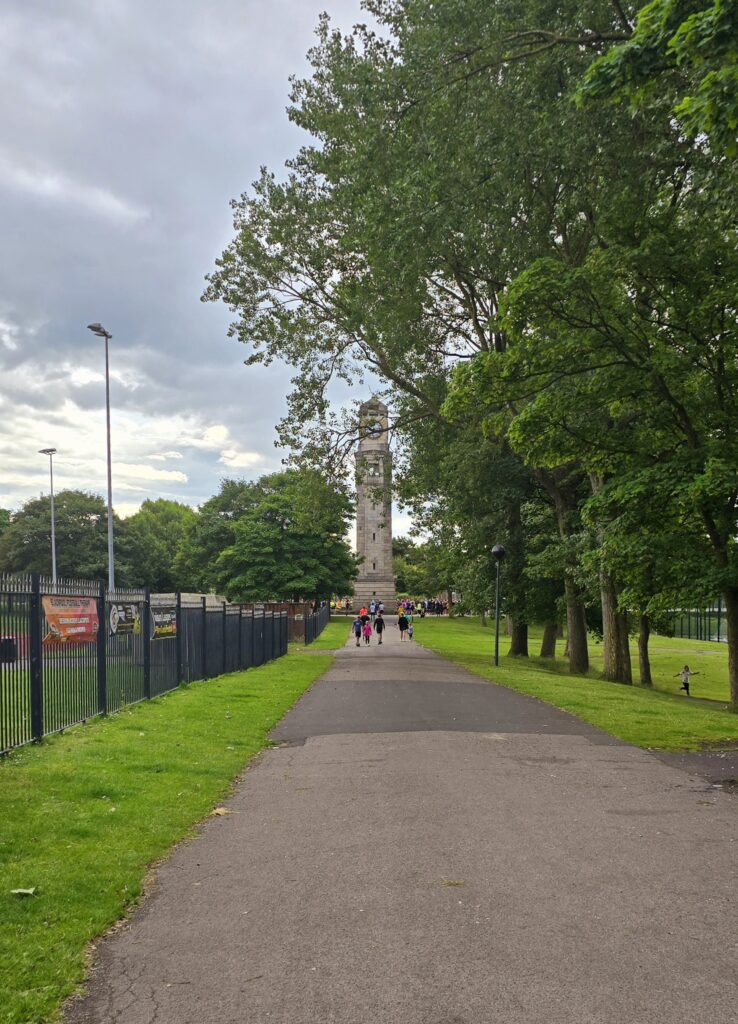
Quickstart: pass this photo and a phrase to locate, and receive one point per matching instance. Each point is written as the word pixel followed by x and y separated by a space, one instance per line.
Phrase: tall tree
pixel 151 538
pixel 289 544
pixel 81 537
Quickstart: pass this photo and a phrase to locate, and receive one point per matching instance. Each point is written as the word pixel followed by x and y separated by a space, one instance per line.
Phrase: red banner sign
pixel 70 620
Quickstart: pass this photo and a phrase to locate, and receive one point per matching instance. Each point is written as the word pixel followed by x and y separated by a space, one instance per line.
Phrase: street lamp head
pixel 99 330
pixel 498 552
pixel 47 451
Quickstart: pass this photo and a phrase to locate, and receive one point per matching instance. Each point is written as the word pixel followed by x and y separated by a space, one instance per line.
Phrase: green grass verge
pixel 83 814
pixel 658 718
pixel 334 635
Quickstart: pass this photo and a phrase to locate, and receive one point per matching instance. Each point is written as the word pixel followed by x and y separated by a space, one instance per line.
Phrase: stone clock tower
pixel 374 509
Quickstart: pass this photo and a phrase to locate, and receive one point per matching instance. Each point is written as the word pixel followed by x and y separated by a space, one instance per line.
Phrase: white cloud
pixel 53 185
pixel 165 456
pixel 139 472
pixel 240 460
pixel 210 440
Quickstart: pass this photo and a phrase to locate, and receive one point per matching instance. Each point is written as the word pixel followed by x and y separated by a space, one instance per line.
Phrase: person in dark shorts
pixel 379 626
pixel 357 626
pixel 402 625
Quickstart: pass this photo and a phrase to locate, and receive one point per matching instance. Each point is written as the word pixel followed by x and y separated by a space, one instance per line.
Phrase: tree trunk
pixel 519 642
pixel 644 662
pixel 508 625
pixel 731 618
pixel 616 648
pixel 484 617
pixel 548 644
pixel 576 626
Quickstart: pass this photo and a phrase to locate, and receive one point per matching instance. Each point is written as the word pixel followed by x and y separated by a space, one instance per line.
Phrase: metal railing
pixel 701 623
pixel 72 650
pixel 316 622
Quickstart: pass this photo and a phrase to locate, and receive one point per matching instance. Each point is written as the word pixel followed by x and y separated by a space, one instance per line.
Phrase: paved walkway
pixel 426 848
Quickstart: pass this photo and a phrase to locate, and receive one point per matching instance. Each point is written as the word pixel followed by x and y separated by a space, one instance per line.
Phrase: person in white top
pixel 686 674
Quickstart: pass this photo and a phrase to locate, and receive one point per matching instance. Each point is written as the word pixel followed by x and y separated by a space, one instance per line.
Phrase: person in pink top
pixel 367 631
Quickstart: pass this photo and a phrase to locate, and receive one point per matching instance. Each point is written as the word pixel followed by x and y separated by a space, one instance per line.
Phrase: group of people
pixel 423 608
pixel 371 620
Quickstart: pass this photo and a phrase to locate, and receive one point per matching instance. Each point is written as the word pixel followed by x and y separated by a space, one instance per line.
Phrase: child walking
pixel 367 631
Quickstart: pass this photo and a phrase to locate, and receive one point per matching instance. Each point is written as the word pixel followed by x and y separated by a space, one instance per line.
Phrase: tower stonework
pixel 374 509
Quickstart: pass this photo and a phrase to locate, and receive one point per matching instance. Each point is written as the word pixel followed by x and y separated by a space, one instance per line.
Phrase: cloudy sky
pixel 125 129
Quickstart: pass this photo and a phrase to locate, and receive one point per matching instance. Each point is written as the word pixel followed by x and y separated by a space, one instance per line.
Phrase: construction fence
pixel 72 650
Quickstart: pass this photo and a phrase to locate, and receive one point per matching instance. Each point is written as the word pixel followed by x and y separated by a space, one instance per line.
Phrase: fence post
pixel 225 633
pixel 240 636
pixel 204 638
pixel 37 687
pixel 102 663
pixel 178 636
pixel 719 613
pixel 253 637
pixel 146 640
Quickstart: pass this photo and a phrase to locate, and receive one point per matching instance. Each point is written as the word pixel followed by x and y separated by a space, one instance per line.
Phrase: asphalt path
pixel 427 848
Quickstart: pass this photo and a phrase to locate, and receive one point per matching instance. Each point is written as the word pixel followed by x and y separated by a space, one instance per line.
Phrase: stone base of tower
pixel 378 588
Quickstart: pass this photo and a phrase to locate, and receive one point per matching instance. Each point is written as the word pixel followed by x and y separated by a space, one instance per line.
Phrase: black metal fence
pixel 701 623
pixel 72 650
pixel 316 622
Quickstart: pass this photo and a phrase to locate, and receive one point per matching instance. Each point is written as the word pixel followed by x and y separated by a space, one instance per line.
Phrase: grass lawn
pixel 658 718
pixel 334 635
pixel 83 814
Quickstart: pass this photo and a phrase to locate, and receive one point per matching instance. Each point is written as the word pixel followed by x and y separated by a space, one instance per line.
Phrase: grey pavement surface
pixel 431 849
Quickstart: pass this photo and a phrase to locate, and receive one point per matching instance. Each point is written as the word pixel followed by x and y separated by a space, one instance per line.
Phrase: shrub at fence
pixel 72 650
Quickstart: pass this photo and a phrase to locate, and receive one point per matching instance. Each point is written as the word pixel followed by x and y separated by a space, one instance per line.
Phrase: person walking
pixel 372 609
pixel 410 630
pixel 686 674
pixel 367 632
pixel 379 627
pixel 381 608
pixel 357 627
pixel 402 625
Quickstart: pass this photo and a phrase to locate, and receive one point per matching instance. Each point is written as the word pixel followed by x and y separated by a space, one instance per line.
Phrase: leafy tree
pixel 209 533
pixel 289 543
pixel 151 539
pixel 5 519
pixel 458 210
pixel 687 51
pixel 81 522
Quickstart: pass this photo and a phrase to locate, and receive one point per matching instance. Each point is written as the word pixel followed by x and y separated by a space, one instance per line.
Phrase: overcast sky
pixel 125 129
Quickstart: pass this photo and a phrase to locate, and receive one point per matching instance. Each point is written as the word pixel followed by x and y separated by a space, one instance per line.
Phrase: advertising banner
pixel 70 620
pixel 165 622
pixel 125 618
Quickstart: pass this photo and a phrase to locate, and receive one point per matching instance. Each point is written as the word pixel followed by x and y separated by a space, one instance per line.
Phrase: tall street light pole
pixel 498 553
pixel 51 452
pixel 100 331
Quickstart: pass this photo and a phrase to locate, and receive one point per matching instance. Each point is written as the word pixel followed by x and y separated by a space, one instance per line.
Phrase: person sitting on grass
pixel 686 674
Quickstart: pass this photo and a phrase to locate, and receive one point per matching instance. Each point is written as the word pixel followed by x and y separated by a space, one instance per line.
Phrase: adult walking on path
pixel 428 848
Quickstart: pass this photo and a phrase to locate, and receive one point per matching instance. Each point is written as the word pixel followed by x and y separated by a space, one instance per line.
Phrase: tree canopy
pixel 543 278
